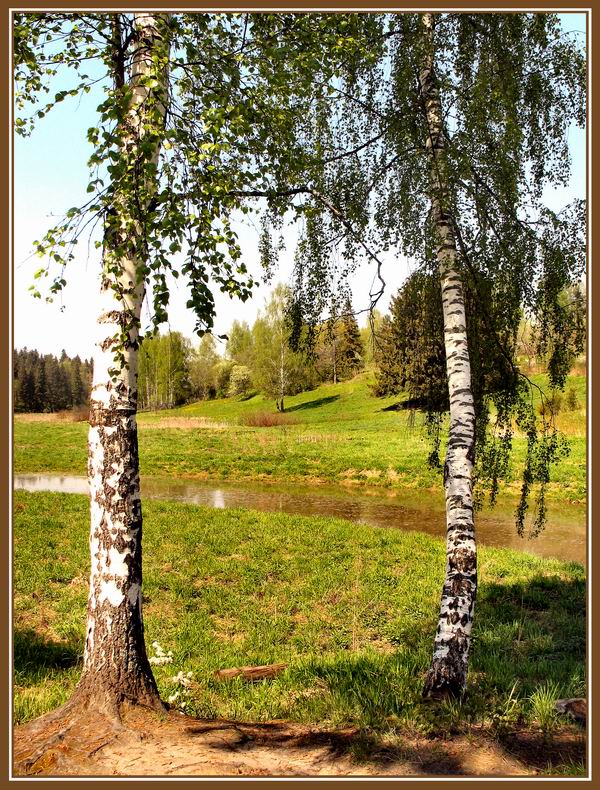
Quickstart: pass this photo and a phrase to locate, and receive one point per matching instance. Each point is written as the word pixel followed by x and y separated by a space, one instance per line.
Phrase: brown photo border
pixel 6 303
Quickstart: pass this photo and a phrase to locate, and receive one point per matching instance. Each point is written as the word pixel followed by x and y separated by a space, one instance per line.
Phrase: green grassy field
pixel 351 609
pixel 337 434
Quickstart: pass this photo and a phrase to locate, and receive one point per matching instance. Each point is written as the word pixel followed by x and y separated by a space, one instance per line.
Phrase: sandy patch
pixel 175 745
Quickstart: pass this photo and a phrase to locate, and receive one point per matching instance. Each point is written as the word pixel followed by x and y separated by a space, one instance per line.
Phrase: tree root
pixel 26 764
pixel 64 730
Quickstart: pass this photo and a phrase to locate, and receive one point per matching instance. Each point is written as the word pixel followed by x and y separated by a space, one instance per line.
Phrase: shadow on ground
pixel 38 656
pixel 313 404
pixel 526 634
pixel 405 405
pixel 362 747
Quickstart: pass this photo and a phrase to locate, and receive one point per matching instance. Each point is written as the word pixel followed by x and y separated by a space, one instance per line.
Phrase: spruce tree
pixel 350 350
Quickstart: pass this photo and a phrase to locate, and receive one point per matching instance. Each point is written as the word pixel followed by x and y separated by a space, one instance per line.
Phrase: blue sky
pixel 51 176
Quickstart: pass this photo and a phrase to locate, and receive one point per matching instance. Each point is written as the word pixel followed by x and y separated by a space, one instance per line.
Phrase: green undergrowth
pixel 351 609
pixel 339 434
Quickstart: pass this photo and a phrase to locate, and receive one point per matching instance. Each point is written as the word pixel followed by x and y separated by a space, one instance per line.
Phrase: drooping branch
pixel 334 211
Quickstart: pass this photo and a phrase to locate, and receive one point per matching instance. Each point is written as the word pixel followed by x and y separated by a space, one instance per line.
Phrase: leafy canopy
pixel 510 85
pixel 323 113
pixel 237 83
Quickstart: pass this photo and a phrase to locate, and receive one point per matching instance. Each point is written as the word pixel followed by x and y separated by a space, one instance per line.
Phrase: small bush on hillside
pixel 222 377
pixel 571 402
pixel 266 419
pixel 240 381
pixel 551 405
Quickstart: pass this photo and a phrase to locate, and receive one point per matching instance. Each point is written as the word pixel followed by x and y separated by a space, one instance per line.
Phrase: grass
pixel 542 707
pixel 336 434
pixel 351 609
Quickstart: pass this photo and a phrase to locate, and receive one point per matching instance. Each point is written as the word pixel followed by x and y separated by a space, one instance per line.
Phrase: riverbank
pixel 350 609
pixel 334 435
pixel 564 535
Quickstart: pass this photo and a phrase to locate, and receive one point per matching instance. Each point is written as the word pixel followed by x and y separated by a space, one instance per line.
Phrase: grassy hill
pixel 337 434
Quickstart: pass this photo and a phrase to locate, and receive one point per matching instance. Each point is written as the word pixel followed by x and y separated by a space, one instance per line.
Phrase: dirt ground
pixel 149 744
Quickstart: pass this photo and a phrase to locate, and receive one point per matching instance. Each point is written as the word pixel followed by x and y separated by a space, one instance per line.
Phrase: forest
pixel 45 383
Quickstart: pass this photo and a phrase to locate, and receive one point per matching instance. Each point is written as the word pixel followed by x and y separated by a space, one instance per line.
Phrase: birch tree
pixel 429 134
pixel 197 112
pixel 449 665
pixel 277 370
pixel 439 144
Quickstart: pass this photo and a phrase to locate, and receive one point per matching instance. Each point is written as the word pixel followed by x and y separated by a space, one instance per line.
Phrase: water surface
pixel 564 536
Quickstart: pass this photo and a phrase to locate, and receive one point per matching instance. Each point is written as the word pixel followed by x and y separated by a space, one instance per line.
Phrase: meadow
pixel 351 609
pixel 335 434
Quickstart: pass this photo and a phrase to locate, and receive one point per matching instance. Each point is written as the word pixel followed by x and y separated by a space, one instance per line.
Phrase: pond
pixel 564 536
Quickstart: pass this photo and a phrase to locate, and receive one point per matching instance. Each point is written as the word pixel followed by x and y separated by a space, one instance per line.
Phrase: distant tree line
pixel 45 383
pixel 405 348
pixel 164 371
pixel 263 359
pixel 257 359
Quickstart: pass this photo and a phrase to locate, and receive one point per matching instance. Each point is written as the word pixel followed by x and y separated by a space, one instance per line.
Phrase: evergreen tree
pixel 410 354
pixel 78 392
pixel 27 392
pixel 58 395
pixel 350 350
pixel 41 393
pixel 47 383
pixel 275 99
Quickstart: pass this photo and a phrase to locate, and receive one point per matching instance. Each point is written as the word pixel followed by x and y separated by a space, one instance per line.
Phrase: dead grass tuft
pixel 80 414
pixel 266 419
pixel 184 423
pixel 371 474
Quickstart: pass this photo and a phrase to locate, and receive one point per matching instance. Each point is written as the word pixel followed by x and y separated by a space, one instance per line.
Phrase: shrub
pixel 266 419
pixel 240 381
pixel 571 402
pixel 222 376
pixel 551 405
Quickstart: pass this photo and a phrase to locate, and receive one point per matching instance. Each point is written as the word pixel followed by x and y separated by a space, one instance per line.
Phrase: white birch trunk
pixel 334 360
pixel 281 369
pixel 448 672
pixel 115 662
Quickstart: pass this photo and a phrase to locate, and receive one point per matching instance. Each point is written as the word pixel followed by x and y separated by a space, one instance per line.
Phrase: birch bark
pixel 116 666
pixel 448 672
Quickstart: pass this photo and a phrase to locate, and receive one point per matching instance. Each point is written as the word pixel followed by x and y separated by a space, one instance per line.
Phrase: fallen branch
pixel 251 673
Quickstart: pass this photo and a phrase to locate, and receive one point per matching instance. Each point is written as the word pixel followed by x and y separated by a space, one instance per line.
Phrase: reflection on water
pixel 564 536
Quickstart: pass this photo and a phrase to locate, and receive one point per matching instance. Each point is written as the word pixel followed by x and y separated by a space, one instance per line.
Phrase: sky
pixel 50 176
